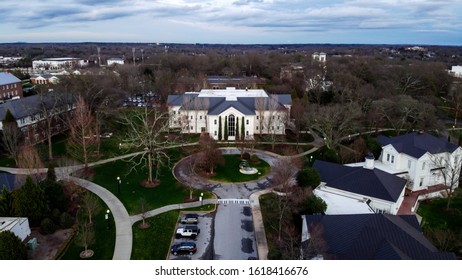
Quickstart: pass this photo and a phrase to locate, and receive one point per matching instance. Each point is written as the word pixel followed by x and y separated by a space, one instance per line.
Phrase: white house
pixel 114 61
pixel 456 71
pixel 18 226
pixel 359 185
pixel 245 111
pixel 321 57
pixel 423 159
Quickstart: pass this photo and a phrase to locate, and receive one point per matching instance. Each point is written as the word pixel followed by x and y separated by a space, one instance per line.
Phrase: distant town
pixel 157 151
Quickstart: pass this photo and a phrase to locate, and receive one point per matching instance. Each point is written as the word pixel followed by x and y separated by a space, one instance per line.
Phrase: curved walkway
pixel 123 222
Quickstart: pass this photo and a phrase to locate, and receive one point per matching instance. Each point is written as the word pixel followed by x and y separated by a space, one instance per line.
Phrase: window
pixel 247 133
pixel 215 133
pixel 388 157
pixel 214 121
pixel 272 127
pixel 202 129
pixel 409 164
pixel 421 182
pixel 192 127
pixel 174 112
pixel 392 159
pixel 247 122
pixel 200 117
pixel 256 128
pixel 423 166
pixel 257 117
pixel 191 117
pixel 231 126
pixel 277 128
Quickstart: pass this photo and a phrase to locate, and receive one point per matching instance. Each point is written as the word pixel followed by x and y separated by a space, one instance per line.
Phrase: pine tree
pixel 237 129
pixel 242 129
pixel 226 128
pixel 220 134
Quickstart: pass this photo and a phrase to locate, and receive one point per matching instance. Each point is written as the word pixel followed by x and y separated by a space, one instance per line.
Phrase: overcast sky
pixel 435 22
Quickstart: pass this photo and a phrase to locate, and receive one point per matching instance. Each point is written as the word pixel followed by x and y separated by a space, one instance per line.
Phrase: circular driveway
pixel 185 175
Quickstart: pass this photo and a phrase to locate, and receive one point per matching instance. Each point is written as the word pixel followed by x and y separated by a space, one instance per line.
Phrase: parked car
pixel 183 248
pixel 189 219
pixel 187 231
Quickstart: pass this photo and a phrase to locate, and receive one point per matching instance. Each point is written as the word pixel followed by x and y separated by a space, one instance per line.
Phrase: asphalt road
pixel 234 234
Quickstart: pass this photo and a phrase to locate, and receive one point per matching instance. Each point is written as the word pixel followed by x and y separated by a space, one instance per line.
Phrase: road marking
pixel 233 201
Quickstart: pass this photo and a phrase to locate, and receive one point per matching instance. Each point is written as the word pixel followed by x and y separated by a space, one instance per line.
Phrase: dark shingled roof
pixel 217 105
pixel 375 237
pixel 30 105
pixel 416 144
pixel 368 182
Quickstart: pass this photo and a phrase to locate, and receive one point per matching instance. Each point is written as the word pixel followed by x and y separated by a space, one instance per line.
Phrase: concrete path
pixel 124 222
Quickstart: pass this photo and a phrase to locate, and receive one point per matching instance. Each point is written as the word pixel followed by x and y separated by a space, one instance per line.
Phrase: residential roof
pixel 7 79
pixel 375 237
pixel 7 181
pixel 368 182
pixel 28 106
pixel 339 204
pixel 219 101
pixel 416 144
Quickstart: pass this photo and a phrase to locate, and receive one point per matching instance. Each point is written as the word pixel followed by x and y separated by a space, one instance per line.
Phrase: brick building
pixel 10 87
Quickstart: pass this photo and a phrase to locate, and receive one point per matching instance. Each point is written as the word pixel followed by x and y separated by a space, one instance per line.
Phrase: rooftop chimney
pixel 369 161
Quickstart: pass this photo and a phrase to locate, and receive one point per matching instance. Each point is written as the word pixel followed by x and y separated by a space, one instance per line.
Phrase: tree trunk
pixel 50 146
pixel 149 167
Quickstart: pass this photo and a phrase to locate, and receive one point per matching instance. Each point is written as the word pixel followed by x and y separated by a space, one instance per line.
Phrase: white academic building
pixel 245 112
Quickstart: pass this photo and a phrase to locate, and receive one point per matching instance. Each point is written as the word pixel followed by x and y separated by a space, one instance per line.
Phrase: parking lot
pixel 203 240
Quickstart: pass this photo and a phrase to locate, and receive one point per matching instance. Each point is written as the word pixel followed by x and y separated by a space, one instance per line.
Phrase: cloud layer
pixel 234 21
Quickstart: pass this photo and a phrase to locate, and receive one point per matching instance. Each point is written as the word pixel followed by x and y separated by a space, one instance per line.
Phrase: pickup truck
pixel 187 231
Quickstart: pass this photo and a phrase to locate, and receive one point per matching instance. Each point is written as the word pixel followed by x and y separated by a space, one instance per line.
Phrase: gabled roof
pixel 30 105
pixel 7 78
pixel 220 103
pixel 375 237
pixel 416 144
pixel 368 182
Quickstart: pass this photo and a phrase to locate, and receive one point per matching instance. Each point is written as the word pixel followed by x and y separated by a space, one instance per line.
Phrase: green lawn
pixel 153 243
pixel 435 215
pixel 229 171
pixel 443 226
pixel 104 244
pixel 169 191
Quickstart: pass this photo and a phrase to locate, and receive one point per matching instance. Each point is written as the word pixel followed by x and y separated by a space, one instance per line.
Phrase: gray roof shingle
pixel 7 78
pixel 369 182
pixel 416 144
pixel 375 237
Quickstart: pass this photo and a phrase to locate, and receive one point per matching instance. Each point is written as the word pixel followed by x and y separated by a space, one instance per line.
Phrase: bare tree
pixel 85 237
pixel 449 166
pixel 210 155
pixel 284 173
pixel 315 245
pixel 145 130
pixel 82 137
pixel 11 136
pixel 260 107
pixel 90 205
pixel 333 122
pixel 29 159
pixel 143 209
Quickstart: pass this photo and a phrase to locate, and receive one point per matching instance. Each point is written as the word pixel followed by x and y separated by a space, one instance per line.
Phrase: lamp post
pixel 118 184
pixel 107 218
pixel 202 199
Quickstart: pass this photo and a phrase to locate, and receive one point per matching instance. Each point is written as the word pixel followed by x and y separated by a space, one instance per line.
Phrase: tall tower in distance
pixel 133 51
pixel 99 56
